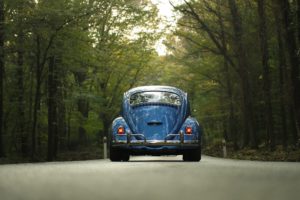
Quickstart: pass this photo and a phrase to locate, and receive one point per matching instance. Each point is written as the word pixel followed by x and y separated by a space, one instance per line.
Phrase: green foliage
pixel 97 56
pixel 204 46
pixel 68 63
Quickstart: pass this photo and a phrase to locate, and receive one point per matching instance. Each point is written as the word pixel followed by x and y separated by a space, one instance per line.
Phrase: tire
pixel 192 155
pixel 125 157
pixel 117 155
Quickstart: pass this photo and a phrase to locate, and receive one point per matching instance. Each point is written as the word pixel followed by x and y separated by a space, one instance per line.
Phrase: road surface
pixel 166 178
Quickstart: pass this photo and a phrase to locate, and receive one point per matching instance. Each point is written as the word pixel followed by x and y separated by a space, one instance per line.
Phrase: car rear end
pixel 155 122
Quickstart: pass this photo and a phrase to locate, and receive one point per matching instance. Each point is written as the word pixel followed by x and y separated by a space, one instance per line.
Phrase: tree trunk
pixel 20 84
pixel 21 108
pixel 267 85
pixel 37 97
pixel 106 126
pixel 29 120
pixel 290 35
pixel 83 108
pixel 243 68
pixel 298 21
pixel 2 65
pixel 61 136
pixel 61 133
pixel 231 118
pixel 52 114
pixel 282 80
pixel 69 128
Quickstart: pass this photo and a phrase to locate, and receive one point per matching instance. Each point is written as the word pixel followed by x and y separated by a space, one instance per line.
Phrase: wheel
pixel 118 155
pixel 115 155
pixel 125 157
pixel 192 155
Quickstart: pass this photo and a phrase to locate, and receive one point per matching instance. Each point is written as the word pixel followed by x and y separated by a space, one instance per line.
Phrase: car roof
pixel 155 88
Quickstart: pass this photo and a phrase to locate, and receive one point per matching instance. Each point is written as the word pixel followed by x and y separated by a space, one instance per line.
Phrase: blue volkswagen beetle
pixel 155 120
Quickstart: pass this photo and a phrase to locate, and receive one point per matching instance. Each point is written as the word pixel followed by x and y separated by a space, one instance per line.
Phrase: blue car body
pixel 155 120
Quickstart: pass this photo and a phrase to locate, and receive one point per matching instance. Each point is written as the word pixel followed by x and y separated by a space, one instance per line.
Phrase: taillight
pixel 188 130
pixel 121 130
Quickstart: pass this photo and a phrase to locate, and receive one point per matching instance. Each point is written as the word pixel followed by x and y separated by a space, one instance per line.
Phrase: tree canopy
pixel 65 64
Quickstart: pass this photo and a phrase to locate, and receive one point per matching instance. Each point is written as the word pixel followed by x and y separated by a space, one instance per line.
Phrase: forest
pixel 65 64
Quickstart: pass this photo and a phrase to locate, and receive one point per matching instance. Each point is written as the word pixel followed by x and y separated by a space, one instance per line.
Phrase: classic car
pixel 155 120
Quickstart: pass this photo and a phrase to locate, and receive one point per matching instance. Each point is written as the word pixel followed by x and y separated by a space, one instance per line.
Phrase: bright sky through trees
pixel 169 20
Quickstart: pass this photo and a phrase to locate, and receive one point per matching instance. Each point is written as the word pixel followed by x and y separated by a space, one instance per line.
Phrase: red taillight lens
pixel 121 130
pixel 188 130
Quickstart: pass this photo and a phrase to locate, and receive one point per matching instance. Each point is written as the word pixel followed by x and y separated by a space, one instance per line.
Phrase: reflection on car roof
pixel 155 88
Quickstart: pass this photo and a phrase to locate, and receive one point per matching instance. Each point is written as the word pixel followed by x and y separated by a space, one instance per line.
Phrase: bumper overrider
pixel 179 140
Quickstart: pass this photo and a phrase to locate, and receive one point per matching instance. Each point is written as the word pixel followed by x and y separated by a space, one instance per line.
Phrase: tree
pixel 250 91
pixel 52 109
pixel 2 66
pixel 243 69
pixel 65 64
pixel 266 72
pixel 282 74
pixel 216 33
pixel 289 35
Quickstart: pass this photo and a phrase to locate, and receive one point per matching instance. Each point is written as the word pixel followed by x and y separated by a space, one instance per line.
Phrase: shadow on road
pixel 156 161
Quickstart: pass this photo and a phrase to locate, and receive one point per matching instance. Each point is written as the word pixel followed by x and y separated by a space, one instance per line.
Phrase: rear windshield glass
pixel 155 97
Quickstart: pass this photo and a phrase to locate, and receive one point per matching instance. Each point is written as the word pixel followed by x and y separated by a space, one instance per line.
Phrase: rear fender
pixel 115 137
pixel 196 130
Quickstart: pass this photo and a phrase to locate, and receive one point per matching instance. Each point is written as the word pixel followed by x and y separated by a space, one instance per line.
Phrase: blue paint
pixel 155 121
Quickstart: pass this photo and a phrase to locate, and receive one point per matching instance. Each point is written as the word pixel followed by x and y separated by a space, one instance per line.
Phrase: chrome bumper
pixel 145 142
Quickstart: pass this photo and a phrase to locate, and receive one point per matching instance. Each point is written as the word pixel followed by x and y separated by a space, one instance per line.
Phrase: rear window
pixel 155 97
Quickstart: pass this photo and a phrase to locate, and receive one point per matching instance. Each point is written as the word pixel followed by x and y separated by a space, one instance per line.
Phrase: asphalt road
pixel 166 178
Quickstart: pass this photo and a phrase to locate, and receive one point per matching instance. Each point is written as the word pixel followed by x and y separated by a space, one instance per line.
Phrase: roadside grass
pixel 83 153
pixel 91 152
pixel 290 154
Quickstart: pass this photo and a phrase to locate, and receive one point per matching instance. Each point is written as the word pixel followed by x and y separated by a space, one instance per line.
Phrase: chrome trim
pixel 172 135
pixel 146 142
pixel 137 135
pixel 120 141
pixel 156 144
